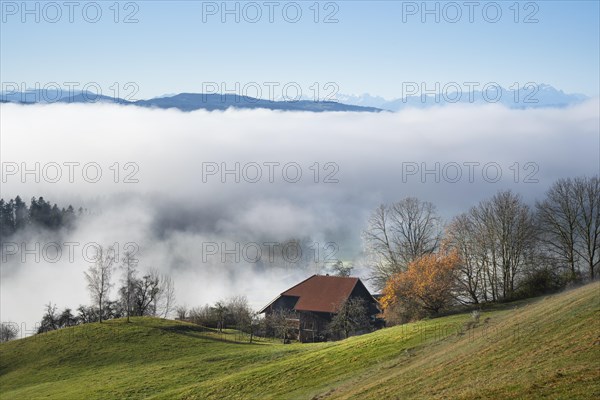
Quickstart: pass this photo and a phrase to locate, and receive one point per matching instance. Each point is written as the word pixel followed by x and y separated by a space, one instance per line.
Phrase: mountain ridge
pixel 182 101
pixel 528 96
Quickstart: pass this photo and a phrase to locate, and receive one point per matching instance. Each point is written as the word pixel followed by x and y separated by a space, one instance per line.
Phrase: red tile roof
pixel 322 293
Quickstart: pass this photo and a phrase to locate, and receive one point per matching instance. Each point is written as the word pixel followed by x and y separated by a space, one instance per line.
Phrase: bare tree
pixel 255 322
pixel 339 269
pixel 85 314
pixel 8 331
pixel 220 310
pixel 146 293
pixel 166 295
pixel 98 277
pixel 239 310
pixel 485 249
pixel 570 221
pixel 284 323
pixel 399 234
pixel 351 317
pixel 587 193
pixel 378 239
pixel 497 242
pixel 462 236
pixel 239 314
pixel 509 235
pixel 182 312
pixel 558 216
pixel 129 266
pixel 204 315
pixel 66 318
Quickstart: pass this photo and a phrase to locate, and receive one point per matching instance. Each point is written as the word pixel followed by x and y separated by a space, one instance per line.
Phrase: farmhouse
pixel 311 304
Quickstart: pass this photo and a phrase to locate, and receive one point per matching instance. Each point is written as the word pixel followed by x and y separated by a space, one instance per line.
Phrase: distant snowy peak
pixel 421 96
pixel 362 100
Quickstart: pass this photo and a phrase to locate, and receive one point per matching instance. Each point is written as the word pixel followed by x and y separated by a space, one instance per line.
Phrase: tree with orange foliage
pixel 425 288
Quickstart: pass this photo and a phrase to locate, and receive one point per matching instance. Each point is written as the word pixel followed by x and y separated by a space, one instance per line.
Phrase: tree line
pixel 151 294
pixel 16 215
pixel 500 249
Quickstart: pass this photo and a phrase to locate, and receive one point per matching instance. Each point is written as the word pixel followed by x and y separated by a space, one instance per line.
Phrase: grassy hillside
pixel 544 348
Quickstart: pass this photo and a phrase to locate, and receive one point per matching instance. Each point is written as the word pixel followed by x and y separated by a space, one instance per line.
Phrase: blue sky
pixel 373 48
